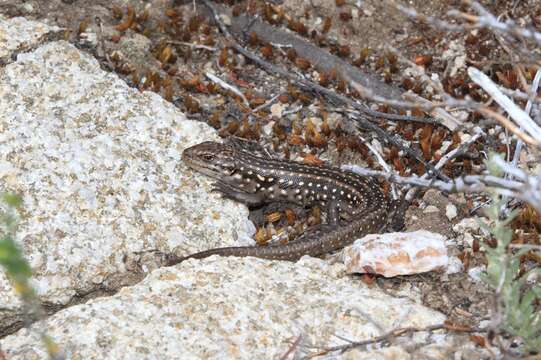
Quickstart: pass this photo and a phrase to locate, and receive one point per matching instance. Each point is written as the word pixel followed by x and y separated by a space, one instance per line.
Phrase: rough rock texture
pixel 19 34
pixel 395 254
pixel 232 308
pixel 99 167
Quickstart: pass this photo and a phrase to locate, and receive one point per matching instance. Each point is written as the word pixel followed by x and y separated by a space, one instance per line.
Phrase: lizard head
pixel 211 158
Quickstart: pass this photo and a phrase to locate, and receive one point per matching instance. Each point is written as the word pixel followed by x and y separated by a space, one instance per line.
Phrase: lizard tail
pixel 277 252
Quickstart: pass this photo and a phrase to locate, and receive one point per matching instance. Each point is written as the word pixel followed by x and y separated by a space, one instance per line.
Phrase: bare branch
pixel 331 95
pixel 448 121
pixel 528 190
pixel 463 148
pixel 490 21
pixel 533 90
pixel 485 20
pixel 509 125
pixel 226 86
pixel 193 46
pixel 393 334
pixel 516 113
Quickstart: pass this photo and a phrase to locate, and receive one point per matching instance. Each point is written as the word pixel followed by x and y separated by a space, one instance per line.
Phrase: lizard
pixel 355 205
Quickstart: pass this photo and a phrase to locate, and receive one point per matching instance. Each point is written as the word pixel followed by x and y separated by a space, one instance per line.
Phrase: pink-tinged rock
pixel 395 254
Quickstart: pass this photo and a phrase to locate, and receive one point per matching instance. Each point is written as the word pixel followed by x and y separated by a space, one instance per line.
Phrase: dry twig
pixel 393 334
pixel 229 87
pixel 291 349
pixel 526 188
pixel 331 95
pixel 520 116
pixel 193 46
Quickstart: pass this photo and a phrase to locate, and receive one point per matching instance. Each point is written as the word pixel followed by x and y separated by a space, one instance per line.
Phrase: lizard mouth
pixel 204 167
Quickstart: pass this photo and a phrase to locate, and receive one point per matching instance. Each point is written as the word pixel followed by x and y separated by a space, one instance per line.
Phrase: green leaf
pixel 11 258
pixel 12 200
pixel 537 290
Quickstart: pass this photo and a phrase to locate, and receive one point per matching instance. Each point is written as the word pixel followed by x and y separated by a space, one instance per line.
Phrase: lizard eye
pixel 207 157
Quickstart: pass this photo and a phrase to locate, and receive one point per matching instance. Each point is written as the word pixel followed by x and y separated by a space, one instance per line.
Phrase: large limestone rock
pixel 99 167
pixel 19 34
pixel 231 308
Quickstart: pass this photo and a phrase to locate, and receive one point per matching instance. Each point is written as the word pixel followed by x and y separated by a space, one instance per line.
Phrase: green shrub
pixel 17 268
pixel 517 302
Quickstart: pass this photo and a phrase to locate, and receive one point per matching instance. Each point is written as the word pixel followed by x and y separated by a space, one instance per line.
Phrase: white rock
pixel 99 167
pixel 396 253
pixel 228 308
pixel 467 224
pixel 475 273
pixel 19 34
pixel 277 109
pixel 451 211
pixel 454 266
pixel 267 128
pixel 430 209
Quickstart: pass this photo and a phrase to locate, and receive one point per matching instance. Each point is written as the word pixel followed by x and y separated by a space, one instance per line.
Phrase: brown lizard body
pixel 355 205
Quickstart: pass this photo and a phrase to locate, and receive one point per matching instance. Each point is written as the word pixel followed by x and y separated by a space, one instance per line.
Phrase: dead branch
pixel 527 188
pixel 291 349
pixel 227 86
pixel 516 113
pixel 484 20
pixel 329 94
pixel 533 90
pixel 459 151
pixel 421 103
pixel 382 134
pixel 438 112
pixel 387 338
pixel 193 46
pixel 508 125
pixel 321 59
pixel 508 30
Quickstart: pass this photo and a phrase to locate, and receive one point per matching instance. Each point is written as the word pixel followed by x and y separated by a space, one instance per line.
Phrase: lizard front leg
pixel 230 192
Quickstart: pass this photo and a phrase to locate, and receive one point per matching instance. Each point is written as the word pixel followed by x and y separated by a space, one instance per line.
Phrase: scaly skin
pixel 355 205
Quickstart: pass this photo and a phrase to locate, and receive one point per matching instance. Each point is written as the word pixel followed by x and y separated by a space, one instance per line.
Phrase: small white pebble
pixel 450 211
pixel 475 273
pixel 468 224
pixel 431 209
pixel 454 266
